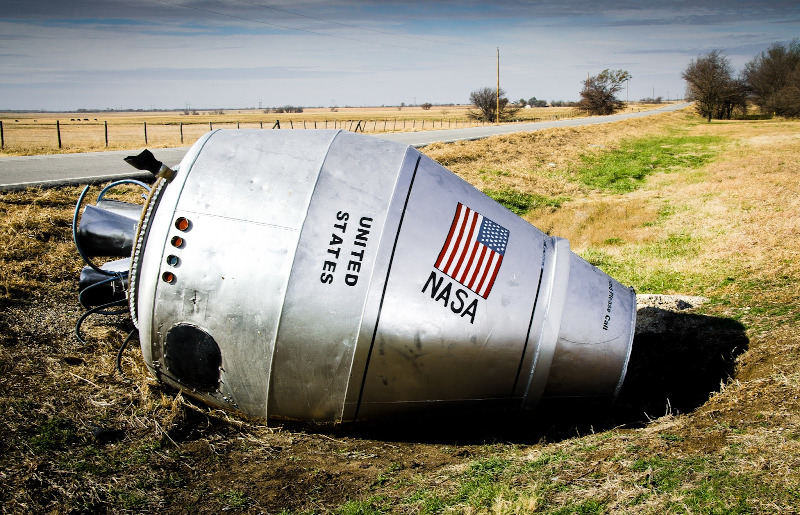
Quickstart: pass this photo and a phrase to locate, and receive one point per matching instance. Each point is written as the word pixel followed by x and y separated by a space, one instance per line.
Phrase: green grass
pixel 704 484
pixel 520 203
pixel 625 169
pixel 690 484
pixel 234 499
pixel 54 434
pixel 627 267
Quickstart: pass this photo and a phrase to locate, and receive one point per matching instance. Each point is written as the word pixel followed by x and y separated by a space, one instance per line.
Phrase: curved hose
pixel 121 350
pixel 99 310
pixel 122 181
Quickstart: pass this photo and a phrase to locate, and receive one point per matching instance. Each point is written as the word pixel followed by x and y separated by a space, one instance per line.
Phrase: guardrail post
pixel 58 131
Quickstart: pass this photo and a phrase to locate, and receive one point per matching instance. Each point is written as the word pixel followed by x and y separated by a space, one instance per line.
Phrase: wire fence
pixel 98 134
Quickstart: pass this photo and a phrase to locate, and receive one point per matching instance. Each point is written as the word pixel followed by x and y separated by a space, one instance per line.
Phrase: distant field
pixel 37 133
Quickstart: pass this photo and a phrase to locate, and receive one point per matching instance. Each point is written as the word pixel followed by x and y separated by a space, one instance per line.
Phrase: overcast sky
pixel 97 54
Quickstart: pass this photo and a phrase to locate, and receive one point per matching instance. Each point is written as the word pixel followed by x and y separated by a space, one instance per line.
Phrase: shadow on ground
pixel 678 360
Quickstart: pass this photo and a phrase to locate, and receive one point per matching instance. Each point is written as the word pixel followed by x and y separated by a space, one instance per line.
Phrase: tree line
pixel 771 81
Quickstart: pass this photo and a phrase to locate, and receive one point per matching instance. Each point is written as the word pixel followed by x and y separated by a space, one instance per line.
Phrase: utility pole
pixel 497 106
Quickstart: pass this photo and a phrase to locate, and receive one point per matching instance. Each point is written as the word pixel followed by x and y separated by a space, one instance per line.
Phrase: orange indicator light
pixel 182 223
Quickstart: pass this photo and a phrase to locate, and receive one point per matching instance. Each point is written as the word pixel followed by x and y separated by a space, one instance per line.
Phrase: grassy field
pixel 36 133
pixel 708 420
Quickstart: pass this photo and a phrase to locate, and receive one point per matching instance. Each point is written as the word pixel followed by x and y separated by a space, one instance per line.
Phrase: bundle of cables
pixel 106 229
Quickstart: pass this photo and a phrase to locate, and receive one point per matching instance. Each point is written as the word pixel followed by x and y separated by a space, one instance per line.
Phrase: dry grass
pixel 727 230
pixel 35 133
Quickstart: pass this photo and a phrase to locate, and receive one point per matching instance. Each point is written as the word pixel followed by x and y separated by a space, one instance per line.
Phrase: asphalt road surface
pixel 94 167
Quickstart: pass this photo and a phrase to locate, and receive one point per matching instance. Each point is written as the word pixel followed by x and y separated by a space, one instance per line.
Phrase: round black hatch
pixel 193 357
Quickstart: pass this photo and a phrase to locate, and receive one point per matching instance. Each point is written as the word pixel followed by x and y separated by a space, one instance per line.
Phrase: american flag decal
pixel 473 251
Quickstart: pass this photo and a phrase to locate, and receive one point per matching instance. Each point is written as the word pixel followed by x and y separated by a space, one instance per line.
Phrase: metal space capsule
pixel 330 276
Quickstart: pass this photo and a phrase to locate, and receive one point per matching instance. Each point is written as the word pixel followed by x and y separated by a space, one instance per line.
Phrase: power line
pixel 252 20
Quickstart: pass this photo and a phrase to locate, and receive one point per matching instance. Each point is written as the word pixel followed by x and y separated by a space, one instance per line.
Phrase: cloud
pixel 360 51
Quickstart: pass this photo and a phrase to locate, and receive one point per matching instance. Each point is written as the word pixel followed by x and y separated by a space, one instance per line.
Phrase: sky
pixel 170 54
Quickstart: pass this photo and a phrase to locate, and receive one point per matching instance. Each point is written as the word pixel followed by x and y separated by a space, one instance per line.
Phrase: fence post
pixel 237 124
pixel 291 125
pixel 58 131
pixel 145 133
pixel 210 127
pixel 105 130
pixel 181 124
pixel 261 124
pixel 2 138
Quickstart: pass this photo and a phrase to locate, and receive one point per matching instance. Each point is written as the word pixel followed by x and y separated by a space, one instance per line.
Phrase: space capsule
pixel 329 276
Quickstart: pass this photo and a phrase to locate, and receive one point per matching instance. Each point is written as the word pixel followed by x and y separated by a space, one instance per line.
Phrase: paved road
pixel 419 139
pixel 88 167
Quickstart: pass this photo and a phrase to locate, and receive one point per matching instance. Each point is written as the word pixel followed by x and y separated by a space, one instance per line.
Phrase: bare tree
pixel 484 101
pixel 773 79
pixel 711 84
pixel 599 94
